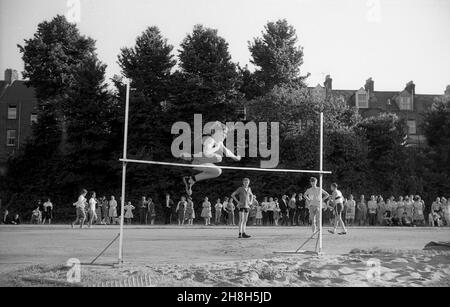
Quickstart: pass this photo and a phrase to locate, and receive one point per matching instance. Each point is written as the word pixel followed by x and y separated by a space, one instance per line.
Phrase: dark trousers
pixel 142 215
pixel 167 215
pixel 270 217
pixel 264 217
pixel 298 217
pixel 372 219
pixel 284 218
pixel 292 215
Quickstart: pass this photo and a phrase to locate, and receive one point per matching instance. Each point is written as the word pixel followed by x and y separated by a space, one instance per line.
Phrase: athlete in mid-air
pixel 213 151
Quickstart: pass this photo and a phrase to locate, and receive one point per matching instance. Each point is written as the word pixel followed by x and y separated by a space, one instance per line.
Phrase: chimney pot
pixel 11 75
pixel 410 87
pixel 447 91
pixel 370 85
pixel 328 84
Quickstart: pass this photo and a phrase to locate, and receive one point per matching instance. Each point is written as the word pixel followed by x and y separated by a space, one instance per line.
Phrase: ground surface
pixel 175 255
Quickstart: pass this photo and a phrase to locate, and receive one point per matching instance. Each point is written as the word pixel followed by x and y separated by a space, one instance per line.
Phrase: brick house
pixel 18 109
pixel 406 103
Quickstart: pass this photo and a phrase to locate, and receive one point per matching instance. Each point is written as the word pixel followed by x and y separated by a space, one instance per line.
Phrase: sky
pixel 392 41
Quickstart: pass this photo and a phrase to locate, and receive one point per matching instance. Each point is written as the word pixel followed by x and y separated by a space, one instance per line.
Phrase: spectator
pixel 361 211
pixel 47 211
pixel 113 211
pixel 446 210
pixel 418 216
pixel 5 216
pixel 381 208
pixel 253 211
pixel 292 208
pixel 394 213
pixel 168 209
pixel 400 208
pixel 264 206
pixel 284 210
pixel 36 216
pixel 387 218
pixel 190 213
pixel 409 207
pixel 442 211
pixel 98 212
pixel 388 213
pixel 300 210
pixel 105 210
pixel 16 220
pixel 206 211
pixel 143 209
pixel 372 210
pixel 350 207
pixel 276 212
pixel 129 212
pixel 406 220
pixel 181 210
pixel 270 210
pixel 225 210
pixel 435 213
pixel 230 212
pixel 151 211
pixel 218 211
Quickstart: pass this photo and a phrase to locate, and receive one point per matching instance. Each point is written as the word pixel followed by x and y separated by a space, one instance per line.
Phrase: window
pixel 33 118
pixel 12 112
pixel 412 129
pixel 362 100
pixel 11 138
pixel 405 103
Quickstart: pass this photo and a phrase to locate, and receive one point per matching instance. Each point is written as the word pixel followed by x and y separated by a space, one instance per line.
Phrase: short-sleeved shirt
pixel 292 203
pixel 337 197
pixel 81 203
pixel 372 206
pixel 245 196
pixel 314 195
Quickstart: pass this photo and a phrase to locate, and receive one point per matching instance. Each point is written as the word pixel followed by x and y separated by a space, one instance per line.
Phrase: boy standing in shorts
pixel 244 200
pixel 338 204
pixel 313 196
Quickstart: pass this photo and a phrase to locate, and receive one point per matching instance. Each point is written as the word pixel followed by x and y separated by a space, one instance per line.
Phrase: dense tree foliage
pixel 277 56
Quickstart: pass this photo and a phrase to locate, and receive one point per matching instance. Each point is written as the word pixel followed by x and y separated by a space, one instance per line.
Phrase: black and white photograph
pixel 224 150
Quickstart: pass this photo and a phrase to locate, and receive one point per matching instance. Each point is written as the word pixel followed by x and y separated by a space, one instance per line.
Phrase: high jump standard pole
pixel 321 182
pixel 124 171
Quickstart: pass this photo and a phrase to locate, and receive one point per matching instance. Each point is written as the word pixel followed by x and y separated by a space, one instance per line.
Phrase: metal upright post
pixel 321 182
pixel 124 172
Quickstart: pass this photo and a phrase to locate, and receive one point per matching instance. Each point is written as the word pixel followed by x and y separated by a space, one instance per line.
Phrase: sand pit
pixel 212 256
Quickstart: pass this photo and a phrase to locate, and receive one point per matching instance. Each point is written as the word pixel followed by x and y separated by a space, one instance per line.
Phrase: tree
pixel 250 86
pixel 50 59
pixel 90 110
pixel 74 110
pixel 277 56
pixel 436 158
pixel 51 56
pixel 208 76
pixel 297 112
pixel 385 135
pixel 148 64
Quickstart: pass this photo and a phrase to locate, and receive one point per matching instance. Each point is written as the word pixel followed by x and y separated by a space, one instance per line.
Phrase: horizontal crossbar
pixel 277 170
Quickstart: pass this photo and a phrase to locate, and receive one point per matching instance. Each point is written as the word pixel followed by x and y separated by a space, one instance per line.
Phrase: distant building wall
pixel 18 108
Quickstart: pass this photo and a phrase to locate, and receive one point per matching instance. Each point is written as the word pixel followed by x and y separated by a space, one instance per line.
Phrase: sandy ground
pixel 213 256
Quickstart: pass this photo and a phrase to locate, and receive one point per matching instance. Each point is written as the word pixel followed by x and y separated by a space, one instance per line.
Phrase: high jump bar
pixel 278 170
